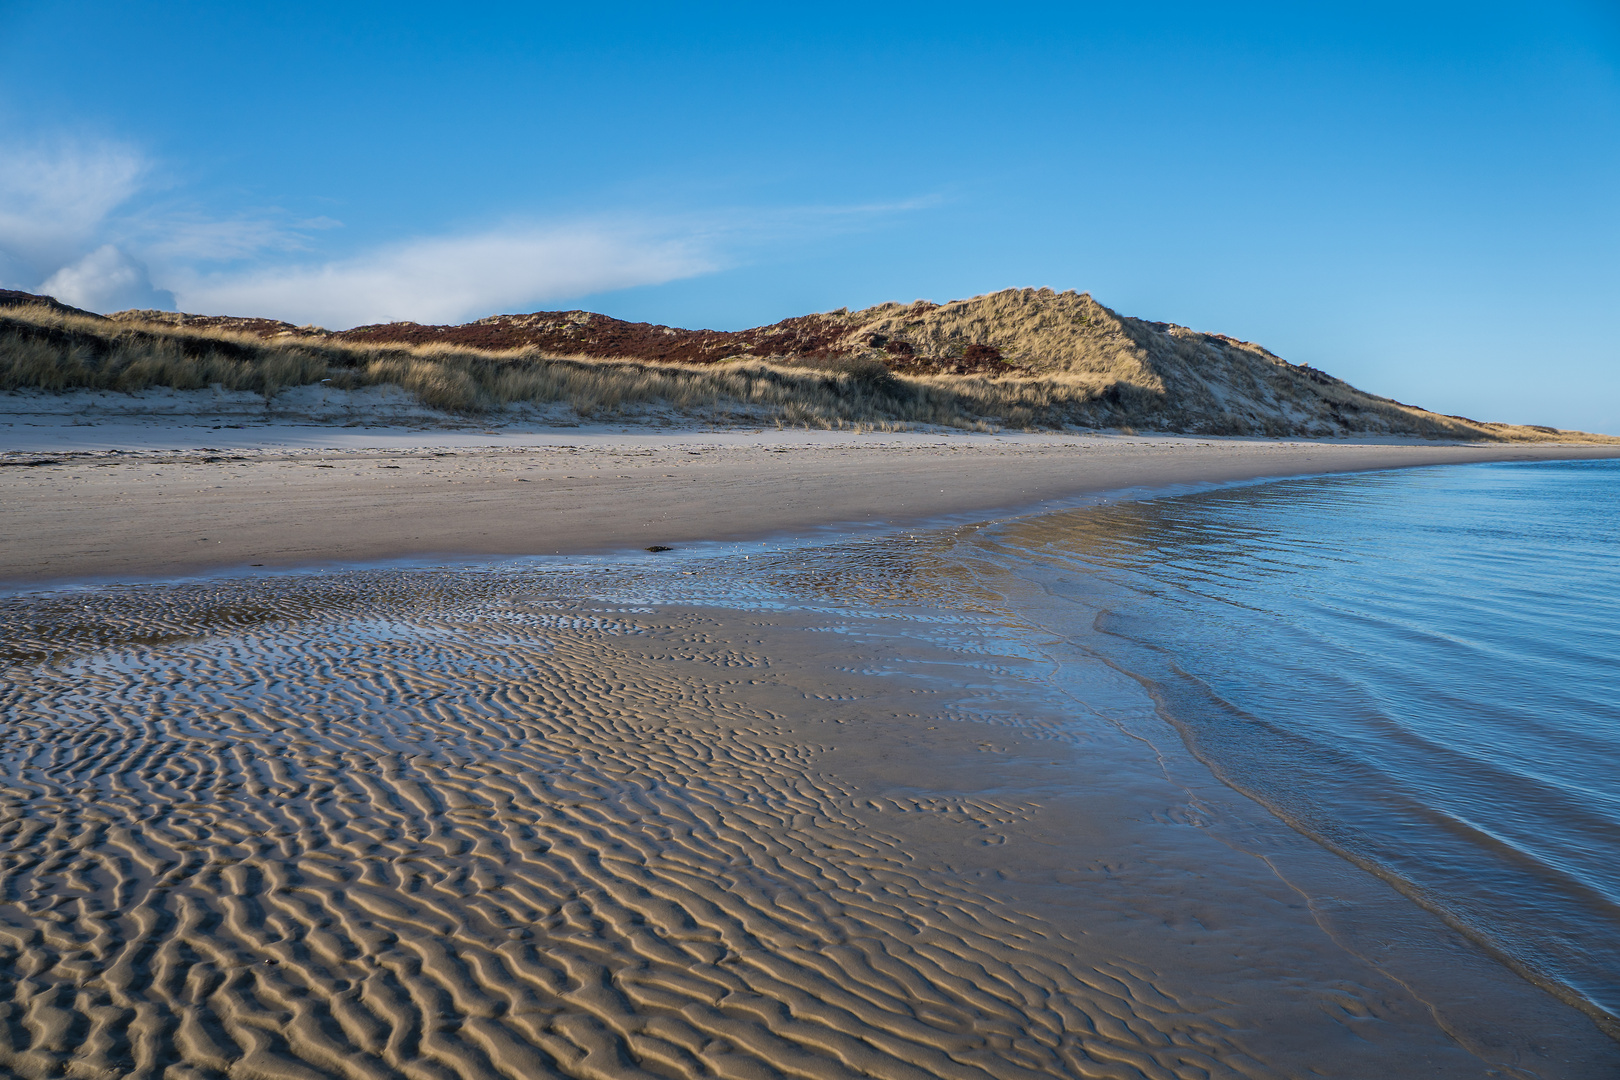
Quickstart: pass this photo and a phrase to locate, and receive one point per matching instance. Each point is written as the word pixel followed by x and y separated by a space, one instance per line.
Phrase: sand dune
pixel 1019 358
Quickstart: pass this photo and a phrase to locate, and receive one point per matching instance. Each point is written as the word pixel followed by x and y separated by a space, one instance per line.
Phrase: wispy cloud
pixel 78 221
pixel 56 201
pixel 191 237
pixel 453 278
pixel 54 198
pixel 83 221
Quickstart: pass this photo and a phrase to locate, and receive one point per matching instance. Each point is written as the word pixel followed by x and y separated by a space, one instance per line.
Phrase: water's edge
pixel 1291 668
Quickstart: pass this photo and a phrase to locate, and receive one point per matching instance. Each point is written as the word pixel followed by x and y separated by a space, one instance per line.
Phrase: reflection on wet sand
pixel 446 824
pixel 1412 667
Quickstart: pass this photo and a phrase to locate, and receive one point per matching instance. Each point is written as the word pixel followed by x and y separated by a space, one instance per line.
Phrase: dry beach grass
pixel 634 817
pixel 49 351
pixel 1052 361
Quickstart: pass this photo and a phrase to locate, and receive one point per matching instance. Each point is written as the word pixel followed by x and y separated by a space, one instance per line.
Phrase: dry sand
pixel 445 824
pixel 146 501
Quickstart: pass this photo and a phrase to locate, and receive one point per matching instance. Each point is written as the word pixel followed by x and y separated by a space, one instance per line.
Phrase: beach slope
pixel 103 501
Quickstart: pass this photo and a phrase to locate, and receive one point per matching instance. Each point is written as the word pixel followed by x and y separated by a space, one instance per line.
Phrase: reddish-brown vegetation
pixel 583 333
pixel 812 338
pixel 10 298
pixel 1025 357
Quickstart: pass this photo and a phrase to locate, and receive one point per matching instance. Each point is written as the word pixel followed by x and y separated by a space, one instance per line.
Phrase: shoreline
pixel 89 503
pixel 1067 813
pixel 589 782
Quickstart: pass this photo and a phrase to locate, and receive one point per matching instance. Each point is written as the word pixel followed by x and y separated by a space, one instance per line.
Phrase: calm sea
pixel 1420 668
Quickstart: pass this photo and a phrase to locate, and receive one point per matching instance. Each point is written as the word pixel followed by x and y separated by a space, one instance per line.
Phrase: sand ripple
pixel 247 836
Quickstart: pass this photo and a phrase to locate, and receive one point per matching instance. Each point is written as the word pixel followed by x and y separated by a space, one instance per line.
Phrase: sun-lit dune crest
pixel 1020 357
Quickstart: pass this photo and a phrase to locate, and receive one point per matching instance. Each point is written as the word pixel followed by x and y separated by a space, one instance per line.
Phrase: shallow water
pixel 1418 668
pixel 591 818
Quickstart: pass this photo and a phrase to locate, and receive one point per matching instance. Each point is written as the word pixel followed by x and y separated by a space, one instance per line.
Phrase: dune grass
pixel 45 350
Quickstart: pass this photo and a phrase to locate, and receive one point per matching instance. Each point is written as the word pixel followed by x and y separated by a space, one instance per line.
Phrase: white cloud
pixel 56 200
pixel 78 220
pixel 184 238
pixel 456 278
pixel 451 279
pixel 105 280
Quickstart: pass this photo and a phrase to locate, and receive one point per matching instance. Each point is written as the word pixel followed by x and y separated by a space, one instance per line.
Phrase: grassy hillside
pixel 1020 358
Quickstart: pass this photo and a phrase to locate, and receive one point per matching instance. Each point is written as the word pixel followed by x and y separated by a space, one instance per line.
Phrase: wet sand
pixel 442 824
pixel 94 501
pixel 606 823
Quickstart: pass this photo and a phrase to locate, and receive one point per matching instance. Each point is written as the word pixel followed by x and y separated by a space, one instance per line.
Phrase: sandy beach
pixel 818 813
pixel 681 542
pixel 429 823
pixel 113 500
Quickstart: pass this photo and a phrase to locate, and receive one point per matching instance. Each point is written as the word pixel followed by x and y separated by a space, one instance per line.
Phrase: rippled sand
pixel 456 824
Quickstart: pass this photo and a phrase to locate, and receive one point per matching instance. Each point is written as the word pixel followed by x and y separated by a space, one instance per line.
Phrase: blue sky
pixel 1421 198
